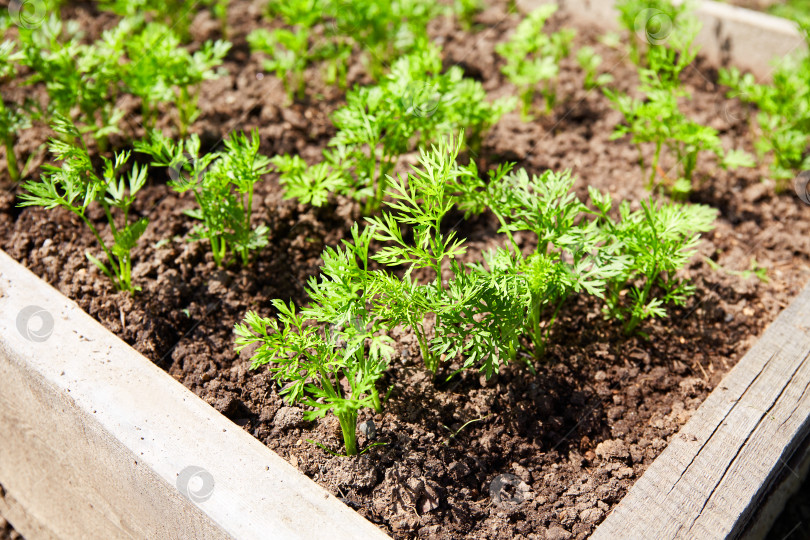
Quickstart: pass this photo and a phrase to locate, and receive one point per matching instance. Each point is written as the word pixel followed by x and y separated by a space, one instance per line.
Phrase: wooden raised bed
pixel 746 438
pixel 97 442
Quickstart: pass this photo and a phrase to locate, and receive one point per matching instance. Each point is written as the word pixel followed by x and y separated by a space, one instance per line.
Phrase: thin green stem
pixel 375 397
pixel 11 159
pixel 116 279
pixel 348 425
pixel 427 357
pixel 654 171
pixel 635 319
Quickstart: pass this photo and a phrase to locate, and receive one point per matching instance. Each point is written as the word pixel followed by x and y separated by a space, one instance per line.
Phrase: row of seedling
pixel 467 310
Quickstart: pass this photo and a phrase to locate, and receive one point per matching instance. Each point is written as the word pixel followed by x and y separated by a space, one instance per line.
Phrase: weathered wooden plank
pixel 715 472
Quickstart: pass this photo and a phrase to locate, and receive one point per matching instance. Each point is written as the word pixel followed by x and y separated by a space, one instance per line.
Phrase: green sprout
pixel 414 103
pixel 656 118
pixel 659 239
pixel 76 185
pixel 589 61
pixel 784 112
pixel 222 183
pixel 330 355
pixel 161 71
pixel 532 57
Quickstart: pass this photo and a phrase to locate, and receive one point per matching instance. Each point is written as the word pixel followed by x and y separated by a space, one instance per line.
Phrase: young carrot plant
pixel 330 355
pixel 414 103
pixel 532 57
pixel 289 51
pixel 175 14
pixel 83 78
pixel 466 10
pixel 222 183
pixel 384 30
pixel 561 264
pixel 659 239
pixel 784 112
pixel 421 201
pixel 76 185
pixel 650 23
pixel 589 61
pixel 14 118
pixel 656 118
pixel 162 71
pixel 329 31
pixel 470 318
pixel 289 55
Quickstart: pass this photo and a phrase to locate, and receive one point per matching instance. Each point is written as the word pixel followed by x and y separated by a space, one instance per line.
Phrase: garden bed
pixel 602 406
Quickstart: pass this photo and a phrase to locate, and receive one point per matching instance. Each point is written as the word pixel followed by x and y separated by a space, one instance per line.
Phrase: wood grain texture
pixel 716 471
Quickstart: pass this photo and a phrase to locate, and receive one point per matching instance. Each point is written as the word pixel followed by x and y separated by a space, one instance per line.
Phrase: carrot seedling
pixel 330 355
pixel 162 71
pixel 656 118
pixel 222 183
pixel 532 57
pixel 13 117
pixel 659 240
pixel 783 112
pixel 414 103
pixel 76 185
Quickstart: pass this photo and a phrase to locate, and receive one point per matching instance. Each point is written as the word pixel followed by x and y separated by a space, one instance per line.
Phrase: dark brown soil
pixel 570 440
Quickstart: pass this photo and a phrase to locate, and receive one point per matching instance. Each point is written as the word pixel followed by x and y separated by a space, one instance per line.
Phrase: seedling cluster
pixel 469 315
pixel 532 57
pixel 415 102
pixel 77 185
pixel 783 111
pixel 404 267
pixel 223 185
pixel 661 55
pixel 84 81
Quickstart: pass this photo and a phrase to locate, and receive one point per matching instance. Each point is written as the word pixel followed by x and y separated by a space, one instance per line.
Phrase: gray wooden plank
pixel 710 479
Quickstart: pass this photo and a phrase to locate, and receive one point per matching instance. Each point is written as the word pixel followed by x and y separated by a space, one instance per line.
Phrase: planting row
pixel 476 312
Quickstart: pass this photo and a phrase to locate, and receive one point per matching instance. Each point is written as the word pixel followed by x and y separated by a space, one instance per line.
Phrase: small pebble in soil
pixel 508 490
pixel 288 417
pixel 612 449
pixel 557 533
pixel 368 429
